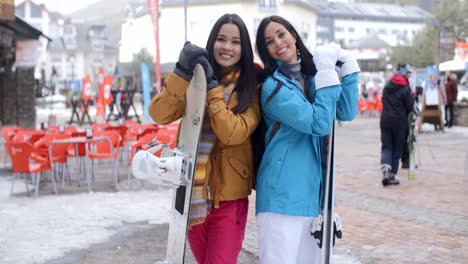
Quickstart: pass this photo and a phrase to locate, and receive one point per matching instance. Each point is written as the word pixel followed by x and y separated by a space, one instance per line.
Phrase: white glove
pixel 350 64
pixel 325 58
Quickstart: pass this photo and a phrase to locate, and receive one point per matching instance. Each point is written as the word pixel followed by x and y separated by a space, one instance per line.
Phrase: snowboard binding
pixel 168 170
pixel 316 230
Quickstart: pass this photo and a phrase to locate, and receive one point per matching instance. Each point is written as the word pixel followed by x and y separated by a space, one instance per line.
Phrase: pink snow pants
pixel 219 239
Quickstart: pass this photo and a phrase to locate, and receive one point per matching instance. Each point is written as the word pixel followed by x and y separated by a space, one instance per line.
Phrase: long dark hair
pixel 269 63
pixel 246 84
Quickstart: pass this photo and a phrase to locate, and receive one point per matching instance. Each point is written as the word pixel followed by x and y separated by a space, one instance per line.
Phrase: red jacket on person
pixel 451 91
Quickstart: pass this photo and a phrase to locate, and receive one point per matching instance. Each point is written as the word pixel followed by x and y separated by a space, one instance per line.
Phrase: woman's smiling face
pixel 281 44
pixel 227 47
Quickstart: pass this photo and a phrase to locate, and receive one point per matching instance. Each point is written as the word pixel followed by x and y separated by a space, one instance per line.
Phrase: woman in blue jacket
pixel 299 98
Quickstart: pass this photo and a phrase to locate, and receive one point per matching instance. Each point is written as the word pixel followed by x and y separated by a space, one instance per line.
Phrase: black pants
pixel 392 139
pixel 449 115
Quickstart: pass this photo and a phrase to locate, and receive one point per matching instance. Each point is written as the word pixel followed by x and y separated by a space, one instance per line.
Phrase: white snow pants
pixel 285 239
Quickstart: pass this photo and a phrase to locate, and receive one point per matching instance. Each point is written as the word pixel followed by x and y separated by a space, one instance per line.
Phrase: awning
pixel 23 30
pixel 453 65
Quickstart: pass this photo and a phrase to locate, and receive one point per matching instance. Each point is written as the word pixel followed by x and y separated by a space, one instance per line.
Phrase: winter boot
pixel 394 179
pixel 385 168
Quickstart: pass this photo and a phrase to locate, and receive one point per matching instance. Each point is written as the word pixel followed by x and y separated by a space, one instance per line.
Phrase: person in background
pixel 451 91
pixel 218 213
pixel 154 89
pixel 397 104
pixel 299 98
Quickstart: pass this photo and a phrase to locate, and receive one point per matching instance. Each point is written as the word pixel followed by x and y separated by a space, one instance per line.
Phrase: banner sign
pixel 146 89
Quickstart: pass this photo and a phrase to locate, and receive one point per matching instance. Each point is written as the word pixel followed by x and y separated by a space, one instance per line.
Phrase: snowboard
pixel 328 214
pixel 177 167
pixel 328 224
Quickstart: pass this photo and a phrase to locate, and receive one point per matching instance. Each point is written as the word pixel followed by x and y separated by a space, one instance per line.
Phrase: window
pixel 19 10
pixel 54 30
pixel 96 44
pixel 68 30
pixel 98 59
pixel 270 4
pixel 395 31
pixel 339 29
pixel 56 58
pixel 383 31
pixel 322 29
pixel 70 43
pixel 35 11
pixel 351 30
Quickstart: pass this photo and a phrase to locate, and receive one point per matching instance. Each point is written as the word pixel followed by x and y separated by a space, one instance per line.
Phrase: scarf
pixel 199 207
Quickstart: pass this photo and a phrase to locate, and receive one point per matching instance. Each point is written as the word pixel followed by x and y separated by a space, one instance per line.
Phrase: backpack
pixel 258 136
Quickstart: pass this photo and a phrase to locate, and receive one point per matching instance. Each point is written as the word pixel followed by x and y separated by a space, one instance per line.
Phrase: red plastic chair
pixel 77 152
pixel 28 135
pixel 8 133
pixel 106 149
pixel 21 154
pixel 148 129
pixel 98 127
pixel 134 129
pixel 58 152
pixel 122 130
pixel 362 106
pixel 70 130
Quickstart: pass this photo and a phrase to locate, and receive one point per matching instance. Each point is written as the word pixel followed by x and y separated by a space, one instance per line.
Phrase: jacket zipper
pixel 296 85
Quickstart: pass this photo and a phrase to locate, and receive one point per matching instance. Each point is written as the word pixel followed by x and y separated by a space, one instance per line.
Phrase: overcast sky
pixel 62 6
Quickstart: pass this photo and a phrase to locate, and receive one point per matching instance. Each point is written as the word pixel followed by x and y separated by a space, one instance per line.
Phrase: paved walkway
pixel 420 221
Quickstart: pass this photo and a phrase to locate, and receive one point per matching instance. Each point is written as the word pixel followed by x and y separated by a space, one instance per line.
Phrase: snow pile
pixel 36 230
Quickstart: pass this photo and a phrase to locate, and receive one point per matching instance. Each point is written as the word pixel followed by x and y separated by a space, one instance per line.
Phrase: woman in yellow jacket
pixel 217 220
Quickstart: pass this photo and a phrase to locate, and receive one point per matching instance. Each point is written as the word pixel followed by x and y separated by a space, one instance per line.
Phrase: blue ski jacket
pixel 290 174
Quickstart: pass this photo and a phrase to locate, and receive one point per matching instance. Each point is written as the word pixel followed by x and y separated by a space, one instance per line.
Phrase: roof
pixel 23 30
pixel 83 42
pixel 369 42
pixel 371 11
pixel 181 2
pixel 54 16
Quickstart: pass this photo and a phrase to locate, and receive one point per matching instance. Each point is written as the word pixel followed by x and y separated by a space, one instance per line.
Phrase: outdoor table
pixel 75 141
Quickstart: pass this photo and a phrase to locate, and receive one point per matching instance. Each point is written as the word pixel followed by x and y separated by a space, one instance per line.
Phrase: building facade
pixel 346 23
pixel 76 49
pixel 201 16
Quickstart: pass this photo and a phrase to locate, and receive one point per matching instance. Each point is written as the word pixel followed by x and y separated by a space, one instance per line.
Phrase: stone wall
pixel 26 100
pixel 9 114
pixel 18 98
pixel 461 114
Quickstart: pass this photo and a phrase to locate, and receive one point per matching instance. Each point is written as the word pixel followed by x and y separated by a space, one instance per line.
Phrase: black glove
pixel 211 80
pixel 184 67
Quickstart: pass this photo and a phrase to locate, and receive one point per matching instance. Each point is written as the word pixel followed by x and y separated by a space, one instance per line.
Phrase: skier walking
pixel 304 106
pixel 397 104
pixel 218 213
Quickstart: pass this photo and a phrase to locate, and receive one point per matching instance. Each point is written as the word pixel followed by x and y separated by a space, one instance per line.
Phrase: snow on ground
pixel 36 230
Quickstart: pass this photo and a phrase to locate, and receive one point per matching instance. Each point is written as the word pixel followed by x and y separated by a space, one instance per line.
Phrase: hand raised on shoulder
pixel 187 60
pixel 211 80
